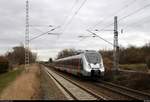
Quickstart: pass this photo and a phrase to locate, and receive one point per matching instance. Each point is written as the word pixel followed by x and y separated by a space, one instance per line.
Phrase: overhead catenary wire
pixel 36 28
pixel 44 33
pixel 40 25
pixel 65 20
pixel 63 24
pixel 136 11
pixel 117 12
pixel 101 38
pixel 126 16
pixel 122 18
pixel 72 7
pixel 135 23
pixel 72 17
pixel 77 12
pixel 50 25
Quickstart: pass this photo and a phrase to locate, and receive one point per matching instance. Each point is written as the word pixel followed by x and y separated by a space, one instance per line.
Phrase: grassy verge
pixel 7 78
pixel 135 67
pixel 137 81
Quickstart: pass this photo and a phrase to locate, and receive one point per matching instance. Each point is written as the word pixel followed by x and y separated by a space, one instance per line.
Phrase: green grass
pixel 136 67
pixel 7 78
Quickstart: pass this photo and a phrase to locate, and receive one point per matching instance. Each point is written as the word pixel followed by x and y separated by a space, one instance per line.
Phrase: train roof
pixel 80 53
pixel 70 57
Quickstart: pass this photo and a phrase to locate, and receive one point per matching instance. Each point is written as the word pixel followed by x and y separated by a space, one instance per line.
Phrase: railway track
pixel 110 90
pixel 132 94
pixel 78 92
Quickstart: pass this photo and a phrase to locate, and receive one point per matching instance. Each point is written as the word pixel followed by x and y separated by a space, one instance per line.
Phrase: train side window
pixel 64 63
pixel 81 64
pixel 74 63
pixel 68 63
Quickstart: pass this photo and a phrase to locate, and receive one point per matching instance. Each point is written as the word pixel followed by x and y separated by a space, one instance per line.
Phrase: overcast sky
pixel 94 14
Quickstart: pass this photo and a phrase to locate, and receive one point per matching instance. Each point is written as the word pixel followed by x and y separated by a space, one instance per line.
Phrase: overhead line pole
pixel 27 37
pixel 116 47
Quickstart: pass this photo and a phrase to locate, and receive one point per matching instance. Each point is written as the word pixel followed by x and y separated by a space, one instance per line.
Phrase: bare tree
pixel 66 53
pixel 17 56
pixel 4 64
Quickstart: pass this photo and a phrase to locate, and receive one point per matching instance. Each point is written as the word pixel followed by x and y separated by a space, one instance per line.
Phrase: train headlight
pixel 94 65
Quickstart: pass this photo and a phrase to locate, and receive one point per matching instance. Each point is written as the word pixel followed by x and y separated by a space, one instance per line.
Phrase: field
pixel 7 78
pixel 135 67
pixel 138 80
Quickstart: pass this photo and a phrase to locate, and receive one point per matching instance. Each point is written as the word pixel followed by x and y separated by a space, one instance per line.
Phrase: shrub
pixel 4 65
pixel 108 64
pixel 148 61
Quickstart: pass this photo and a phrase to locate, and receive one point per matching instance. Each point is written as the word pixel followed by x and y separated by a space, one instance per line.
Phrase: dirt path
pixel 25 87
pixel 49 89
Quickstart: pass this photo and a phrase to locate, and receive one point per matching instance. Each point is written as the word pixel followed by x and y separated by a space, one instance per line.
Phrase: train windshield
pixel 93 57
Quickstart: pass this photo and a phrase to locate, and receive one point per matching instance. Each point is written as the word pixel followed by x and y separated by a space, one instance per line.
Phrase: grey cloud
pixel 54 12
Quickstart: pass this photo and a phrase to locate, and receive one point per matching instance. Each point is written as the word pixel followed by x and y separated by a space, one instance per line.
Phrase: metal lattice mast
pixel 115 54
pixel 27 37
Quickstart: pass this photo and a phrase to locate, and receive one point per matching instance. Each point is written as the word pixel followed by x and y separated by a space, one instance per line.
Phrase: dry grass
pixel 25 87
pixel 7 78
pixel 135 67
pixel 138 81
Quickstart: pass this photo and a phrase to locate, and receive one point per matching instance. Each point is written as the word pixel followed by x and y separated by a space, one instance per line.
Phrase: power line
pixel 135 23
pixel 44 33
pixel 124 17
pixel 101 38
pixel 138 10
pixel 105 27
pixel 125 6
pixel 38 30
pixel 40 25
pixel 76 12
pixel 73 6
pixel 36 27
pixel 117 12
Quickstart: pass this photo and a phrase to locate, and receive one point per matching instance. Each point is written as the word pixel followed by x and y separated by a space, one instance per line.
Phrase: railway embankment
pixel 131 79
pixel 100 89
pixel 42 83
pixel 32 85
pixel 26 86
pixel 49 90
pixel 70 88
pixel 8 77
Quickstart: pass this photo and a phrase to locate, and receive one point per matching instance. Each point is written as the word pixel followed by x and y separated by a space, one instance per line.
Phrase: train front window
pixel 93 57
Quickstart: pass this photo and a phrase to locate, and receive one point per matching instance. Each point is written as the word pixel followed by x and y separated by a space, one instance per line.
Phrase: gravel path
pixel 49 89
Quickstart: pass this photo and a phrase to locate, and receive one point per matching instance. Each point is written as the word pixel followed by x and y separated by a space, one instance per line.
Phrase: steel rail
pixel 99 97
pixel 134 94
pixel 121 90
pixel 72 96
